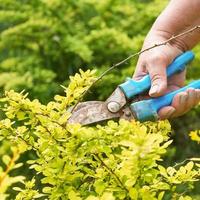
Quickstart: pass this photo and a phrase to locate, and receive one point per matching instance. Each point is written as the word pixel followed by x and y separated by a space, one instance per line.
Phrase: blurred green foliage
pixel 42 42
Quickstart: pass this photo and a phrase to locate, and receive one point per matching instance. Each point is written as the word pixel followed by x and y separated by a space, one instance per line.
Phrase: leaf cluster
pixel 121 160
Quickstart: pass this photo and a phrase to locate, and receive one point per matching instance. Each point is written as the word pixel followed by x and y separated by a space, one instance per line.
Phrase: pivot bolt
pixel 113 106
pixel 127 113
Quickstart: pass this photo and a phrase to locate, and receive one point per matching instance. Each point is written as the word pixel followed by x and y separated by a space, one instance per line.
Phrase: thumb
pixel 158 75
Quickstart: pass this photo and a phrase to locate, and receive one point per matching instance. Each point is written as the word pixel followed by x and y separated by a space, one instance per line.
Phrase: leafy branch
pixel 110 171
pixel 10 165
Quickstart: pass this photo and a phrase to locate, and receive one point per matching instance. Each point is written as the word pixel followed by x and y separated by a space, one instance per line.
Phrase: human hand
pixel 154 62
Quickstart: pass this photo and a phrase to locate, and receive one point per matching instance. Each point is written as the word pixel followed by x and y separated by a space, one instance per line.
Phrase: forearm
pixel 178 16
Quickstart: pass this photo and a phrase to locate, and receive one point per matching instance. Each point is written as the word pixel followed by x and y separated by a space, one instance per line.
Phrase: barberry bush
pixel 119 160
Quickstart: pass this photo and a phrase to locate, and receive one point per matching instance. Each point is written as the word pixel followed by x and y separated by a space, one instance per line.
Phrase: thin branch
pixel 183 162
pixel 9 166
pixel 110 171
pixel 137 54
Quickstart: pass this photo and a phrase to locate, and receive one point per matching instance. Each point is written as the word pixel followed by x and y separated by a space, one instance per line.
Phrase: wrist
pixel 178 16
pixel 156 36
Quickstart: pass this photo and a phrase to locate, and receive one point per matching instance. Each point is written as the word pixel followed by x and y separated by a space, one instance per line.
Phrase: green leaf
pixel 73 195
pixel 133 193
pixel 189 166
pixel 18 165
pixel 21 115
pixel 171 171
pixel 17 189
pixel 100 186
pixel 107 196
pixel 6 159
pixel 161 195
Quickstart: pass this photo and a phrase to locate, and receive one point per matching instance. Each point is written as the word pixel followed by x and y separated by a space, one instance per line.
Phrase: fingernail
pixel 183 99
pixel 154 89
pixel 170 113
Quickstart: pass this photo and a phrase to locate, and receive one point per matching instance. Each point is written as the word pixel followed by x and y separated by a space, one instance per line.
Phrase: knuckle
pixel 159 58
pixel 157 77
pixel 156 58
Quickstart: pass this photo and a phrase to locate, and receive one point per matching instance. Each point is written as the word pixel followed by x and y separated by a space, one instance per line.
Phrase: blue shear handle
pixel 146 110
pixel 132 88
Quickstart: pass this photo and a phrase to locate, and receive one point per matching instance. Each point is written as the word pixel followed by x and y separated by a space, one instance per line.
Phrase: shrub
pixel 44 41
pixel 121 160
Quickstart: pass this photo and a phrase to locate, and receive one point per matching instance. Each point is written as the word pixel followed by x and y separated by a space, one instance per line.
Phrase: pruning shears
pixel 125 103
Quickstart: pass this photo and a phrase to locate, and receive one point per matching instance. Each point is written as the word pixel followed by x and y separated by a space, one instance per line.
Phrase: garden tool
pixel 125 102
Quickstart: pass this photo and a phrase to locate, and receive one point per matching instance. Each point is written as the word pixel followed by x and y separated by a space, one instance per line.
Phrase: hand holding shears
pixel 125 103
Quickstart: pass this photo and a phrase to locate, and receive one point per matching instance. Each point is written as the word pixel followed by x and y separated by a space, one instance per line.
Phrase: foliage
pixel 44 41
pixel 195 135
pixel 121 160
pixel 28 192
pixel 9 164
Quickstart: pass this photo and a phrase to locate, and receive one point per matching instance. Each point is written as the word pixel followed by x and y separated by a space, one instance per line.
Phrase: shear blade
pixel 91 112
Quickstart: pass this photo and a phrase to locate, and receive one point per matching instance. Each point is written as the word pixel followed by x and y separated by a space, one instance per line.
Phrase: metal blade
pixel 82 105
pixel 97 111
pixel 92 112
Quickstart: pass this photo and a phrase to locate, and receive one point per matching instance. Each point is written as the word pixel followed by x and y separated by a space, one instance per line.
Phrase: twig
pixel 9 166
pixel 134 55
pixel 183 162
pixel 110 171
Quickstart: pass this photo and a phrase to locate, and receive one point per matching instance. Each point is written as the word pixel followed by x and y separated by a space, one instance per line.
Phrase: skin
pixel 178 16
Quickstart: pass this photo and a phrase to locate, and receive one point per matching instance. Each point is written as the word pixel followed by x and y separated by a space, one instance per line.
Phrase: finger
pixel 166 112
pixel 157 71
pixel 139 75
pixel 177 79
pixel 180 103
pixel 193 98
pixel 140 70
pixel 186 104
pixel 177 107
